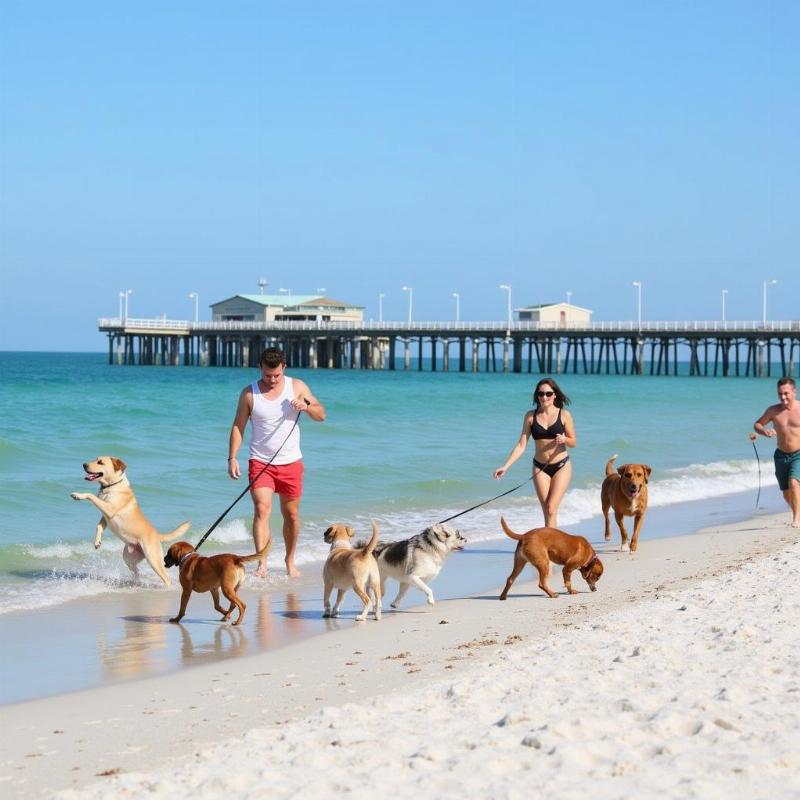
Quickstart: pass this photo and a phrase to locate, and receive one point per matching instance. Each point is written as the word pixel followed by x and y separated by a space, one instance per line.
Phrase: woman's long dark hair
pixel 560 400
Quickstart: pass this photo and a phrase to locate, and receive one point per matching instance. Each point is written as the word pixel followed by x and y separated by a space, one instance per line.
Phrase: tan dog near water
pixel 349 568
pixel 224 571
pixel 540 546
pixel 626 492
pixel 122 515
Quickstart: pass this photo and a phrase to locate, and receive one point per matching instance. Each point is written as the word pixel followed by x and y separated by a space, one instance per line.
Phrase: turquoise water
pixel 404 448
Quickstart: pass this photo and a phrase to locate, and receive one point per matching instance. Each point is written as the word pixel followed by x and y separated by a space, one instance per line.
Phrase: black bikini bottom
pixel 550 469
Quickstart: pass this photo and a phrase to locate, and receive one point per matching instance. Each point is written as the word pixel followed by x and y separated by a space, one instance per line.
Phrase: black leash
pixel 461 513
pixel 758 496
pixel 247 488
pixel 486 502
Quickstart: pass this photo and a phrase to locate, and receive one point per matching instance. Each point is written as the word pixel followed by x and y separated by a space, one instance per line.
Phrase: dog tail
pixel 255 556
pixel 373 540
pixel 508 532
pixel 610 465
pixel 177 533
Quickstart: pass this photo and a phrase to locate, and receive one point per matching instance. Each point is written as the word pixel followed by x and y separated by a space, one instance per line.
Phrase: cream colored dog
pixel 347 568
pixel 122 515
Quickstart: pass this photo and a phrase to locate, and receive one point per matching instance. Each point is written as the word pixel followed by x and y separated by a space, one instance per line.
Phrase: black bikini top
pixel 540 432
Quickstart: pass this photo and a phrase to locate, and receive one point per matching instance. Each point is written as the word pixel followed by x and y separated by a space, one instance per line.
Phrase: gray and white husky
pixel 418 559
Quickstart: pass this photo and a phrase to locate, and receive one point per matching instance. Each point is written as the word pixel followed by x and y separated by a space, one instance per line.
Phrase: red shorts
pixel 283 479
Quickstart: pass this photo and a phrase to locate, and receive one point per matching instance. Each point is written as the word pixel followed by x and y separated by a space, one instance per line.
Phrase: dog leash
pixel 753 438
pixel 247 488
pixel 486 502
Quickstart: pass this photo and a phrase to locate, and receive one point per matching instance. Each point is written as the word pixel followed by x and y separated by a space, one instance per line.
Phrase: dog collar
pixel 109 485
pixel 188 555
pixel 339 545
pixel 591 561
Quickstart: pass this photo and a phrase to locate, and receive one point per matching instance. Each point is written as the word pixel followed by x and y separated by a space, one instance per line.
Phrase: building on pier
pixel 619 348
pixel 284 308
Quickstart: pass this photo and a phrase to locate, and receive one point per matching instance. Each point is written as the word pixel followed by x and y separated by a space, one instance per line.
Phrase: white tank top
pixel 271 421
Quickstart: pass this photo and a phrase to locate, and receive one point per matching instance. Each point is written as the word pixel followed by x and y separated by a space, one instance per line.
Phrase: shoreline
pixel 118 637
pixel 72 739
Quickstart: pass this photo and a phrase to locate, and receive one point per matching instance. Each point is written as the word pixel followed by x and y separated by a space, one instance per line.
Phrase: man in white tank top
pixel 272 405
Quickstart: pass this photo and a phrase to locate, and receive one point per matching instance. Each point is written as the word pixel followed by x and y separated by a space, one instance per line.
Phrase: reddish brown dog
pixel 626 492
pixel 198 574
pixel 540 546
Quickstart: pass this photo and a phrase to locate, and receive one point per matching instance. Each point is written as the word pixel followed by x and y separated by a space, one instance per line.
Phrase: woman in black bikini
pixel 553 431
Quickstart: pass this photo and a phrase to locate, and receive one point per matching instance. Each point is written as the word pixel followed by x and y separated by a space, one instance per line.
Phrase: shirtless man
pixel 272 405
pixel 785 419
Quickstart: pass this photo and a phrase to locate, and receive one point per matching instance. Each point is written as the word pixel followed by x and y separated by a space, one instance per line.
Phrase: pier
pixel 712 348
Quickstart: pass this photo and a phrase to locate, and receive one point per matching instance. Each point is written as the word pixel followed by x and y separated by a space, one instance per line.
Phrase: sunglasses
pixel 545 394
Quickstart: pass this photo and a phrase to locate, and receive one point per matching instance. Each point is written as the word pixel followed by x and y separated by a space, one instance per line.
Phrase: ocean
pixel 403 448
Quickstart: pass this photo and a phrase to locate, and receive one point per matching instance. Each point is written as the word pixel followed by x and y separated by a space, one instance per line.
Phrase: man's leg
pixel 290 508
pixel 262 503
pixel 792 497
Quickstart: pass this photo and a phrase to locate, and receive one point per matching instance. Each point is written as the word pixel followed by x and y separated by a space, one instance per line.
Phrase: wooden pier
pixel 608 348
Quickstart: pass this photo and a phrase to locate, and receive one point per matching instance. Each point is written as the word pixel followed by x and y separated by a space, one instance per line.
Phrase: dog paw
pixel 431 601
pixel 97 545
pixel 77 495
pixel 394 605
pixel 326 614
pixel 175 620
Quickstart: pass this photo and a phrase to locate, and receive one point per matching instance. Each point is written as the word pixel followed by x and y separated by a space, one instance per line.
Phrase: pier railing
pixel 371 326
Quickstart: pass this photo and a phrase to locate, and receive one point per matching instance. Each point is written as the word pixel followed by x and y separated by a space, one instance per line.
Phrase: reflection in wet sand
pixel 228 640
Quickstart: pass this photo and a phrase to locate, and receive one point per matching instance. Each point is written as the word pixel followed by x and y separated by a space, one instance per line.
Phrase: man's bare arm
pixel 237 431
pixel 761 422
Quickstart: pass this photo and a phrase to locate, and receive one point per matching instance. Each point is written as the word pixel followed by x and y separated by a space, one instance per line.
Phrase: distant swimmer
pixel 272 405
pixel 552 429
pixel 785 419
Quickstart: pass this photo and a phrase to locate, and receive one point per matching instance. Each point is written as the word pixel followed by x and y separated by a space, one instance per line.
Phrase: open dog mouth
pixel 633 491
pixel 93 476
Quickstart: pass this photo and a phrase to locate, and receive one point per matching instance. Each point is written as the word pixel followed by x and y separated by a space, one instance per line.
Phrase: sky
pixel 174 147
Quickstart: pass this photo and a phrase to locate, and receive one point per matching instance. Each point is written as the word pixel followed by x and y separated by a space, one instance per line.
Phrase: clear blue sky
pixel 171 147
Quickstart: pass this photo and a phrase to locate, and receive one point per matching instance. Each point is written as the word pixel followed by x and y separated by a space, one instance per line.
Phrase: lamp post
pixel 766 283
pixel 196 297
pixel 638 285
pixel 121 295
pixel 507 287
pixel 410 290
pixel 127 293
pixel 380 306
pixel 724 293
pixel 569 297
pixel 458 305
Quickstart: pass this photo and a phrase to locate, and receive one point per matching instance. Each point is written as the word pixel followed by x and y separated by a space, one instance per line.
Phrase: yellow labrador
pixel 122 515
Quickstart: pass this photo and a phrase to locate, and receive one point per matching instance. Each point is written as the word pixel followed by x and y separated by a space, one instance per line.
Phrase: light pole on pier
pixel 381 295
pixel 458 305
pixel 569 297
pixel 507 287
pixel 724 294
pixel 127 293
pixel 766 283
pixel 638 285
pixel 121 295
pixel 410 290
pixel 196 297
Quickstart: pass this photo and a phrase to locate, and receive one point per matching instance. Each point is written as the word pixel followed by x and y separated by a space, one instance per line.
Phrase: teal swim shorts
pixel 787 466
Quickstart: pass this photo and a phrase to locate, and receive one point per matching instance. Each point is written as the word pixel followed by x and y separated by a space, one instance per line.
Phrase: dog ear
pixel 327 534
pixel 119 464
pixel 647 471
pixel 622 469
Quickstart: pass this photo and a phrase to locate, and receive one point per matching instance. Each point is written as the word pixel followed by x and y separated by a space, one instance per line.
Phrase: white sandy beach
pixel 678 678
